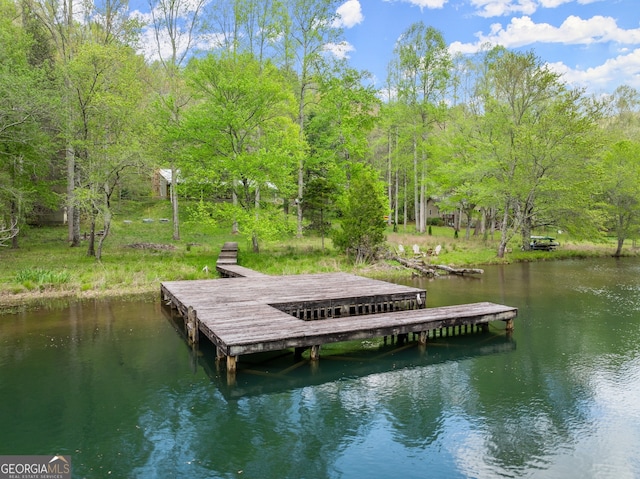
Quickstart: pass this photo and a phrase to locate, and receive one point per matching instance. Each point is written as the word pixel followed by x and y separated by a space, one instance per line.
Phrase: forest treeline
pixel 268 128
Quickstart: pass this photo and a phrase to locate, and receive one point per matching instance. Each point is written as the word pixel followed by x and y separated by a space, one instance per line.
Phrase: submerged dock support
pixel 315 352
pixel 509 325
pixel 231 364
pixel 192 325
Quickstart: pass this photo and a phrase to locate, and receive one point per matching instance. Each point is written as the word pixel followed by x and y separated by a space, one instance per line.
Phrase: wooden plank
pixel 282 336
pixel 239 317
pixel 230 269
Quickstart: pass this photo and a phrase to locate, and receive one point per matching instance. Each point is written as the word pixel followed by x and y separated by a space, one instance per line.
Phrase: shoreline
pixel 12 303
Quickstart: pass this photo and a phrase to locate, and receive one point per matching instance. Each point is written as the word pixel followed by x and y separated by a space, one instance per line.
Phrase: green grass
pixel 45 267
pixel 38 278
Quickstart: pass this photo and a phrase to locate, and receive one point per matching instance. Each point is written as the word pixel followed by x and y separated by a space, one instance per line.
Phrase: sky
pixel 594 44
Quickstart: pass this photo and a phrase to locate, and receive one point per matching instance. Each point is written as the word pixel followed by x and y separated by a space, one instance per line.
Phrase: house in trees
pixel 162 181
pixel 434 210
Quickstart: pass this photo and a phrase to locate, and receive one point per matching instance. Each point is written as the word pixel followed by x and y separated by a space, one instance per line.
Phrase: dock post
pixel 423 337
pixel 192 325
pixel 509 327
pixel 231 364
pixel 220 355
pixel 315 352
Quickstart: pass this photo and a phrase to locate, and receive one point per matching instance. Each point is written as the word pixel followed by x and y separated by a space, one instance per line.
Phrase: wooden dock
pixel 254 312
pixel 227 263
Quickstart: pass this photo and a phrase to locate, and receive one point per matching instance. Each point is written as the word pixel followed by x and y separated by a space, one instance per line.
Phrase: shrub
pixel 363 205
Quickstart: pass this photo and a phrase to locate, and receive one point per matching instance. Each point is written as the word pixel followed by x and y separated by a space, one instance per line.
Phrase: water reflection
pixel 115 386
pixel 279 372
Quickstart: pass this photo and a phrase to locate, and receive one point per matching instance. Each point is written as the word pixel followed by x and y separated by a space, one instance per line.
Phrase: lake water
pixel 115 385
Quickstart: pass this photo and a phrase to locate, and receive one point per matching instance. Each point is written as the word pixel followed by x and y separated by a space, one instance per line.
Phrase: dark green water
pixel 115 386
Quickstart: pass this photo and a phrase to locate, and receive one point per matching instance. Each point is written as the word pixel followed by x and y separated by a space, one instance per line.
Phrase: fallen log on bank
pixel 432 270
pixel 460 271
pixel 414 264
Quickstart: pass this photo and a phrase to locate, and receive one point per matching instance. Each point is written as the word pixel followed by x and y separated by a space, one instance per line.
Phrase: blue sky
pixel 593 43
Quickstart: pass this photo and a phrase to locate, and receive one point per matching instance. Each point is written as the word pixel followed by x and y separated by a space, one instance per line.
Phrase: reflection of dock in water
pixel 278 372
pixel 257 313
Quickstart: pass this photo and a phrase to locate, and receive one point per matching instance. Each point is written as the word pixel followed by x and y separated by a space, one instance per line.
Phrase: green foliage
pixel 620 194
pixel 267 223
pixel 202 214
pixel 28 111
pixel 34 278
pixel 363 207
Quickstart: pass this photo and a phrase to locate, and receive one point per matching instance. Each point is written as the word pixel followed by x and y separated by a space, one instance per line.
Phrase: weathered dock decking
pixel 258 313
pixel 227 263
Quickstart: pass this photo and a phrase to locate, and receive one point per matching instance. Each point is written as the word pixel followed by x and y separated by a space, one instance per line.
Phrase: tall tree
pixel 620 194
pixel 535 136
pixel 176 25
pixel 66 32
pixel 422 71
pixel 27 101
pixel 241 128
pixel 110 95
pixel 309 26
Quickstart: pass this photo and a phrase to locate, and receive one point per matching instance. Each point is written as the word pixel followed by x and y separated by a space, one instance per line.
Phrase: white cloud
pixel 424 3
pixel 349 14
pixel 497 8
pixel 339 50
pixel 522 31
pixel 623 69
pixel 573 31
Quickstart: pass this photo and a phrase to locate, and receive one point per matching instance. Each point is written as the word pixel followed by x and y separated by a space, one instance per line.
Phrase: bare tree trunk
pixel 416 200
pixel 299 198
pixel 301 98
pixel 397 206
pixel 234 200
pixel 492 224
pixel 107 229
pixel 174 202
pixel 13 221
pixel 406 203
pixel 389 178
pixel 504 232
pixel 73 215
pixel 91 250
pixel 618 252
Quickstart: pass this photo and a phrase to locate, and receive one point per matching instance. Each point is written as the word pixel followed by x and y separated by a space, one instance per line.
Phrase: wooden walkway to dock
pixel 227 263
pixel 254 312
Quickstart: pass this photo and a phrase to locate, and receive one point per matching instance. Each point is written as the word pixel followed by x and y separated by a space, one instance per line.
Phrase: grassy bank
pixel 139 254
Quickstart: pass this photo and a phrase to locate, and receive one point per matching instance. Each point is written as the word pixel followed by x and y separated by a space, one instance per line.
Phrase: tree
pixel 65 33
pixel 363 208
pixel 422 68
pixel 623 112
pixel 308 27
pixel 337 134
pixel 241 128
pixel 343 117
pixel 535 138
pixel 176 25
pixel 27 101
pixel 620 194
pixel 105 79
